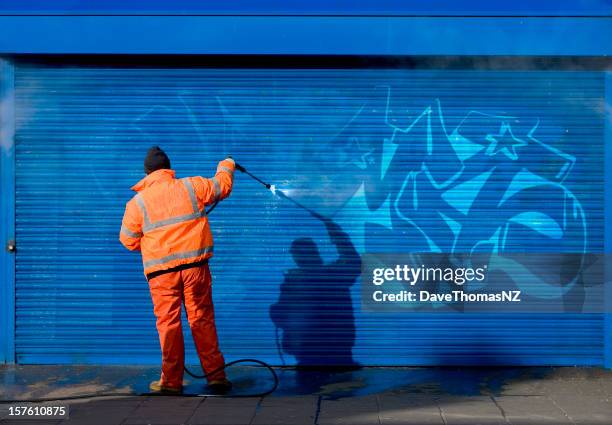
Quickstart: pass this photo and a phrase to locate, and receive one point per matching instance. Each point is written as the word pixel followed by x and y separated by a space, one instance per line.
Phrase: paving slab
pixel 572 387
pixel 527 410
pixel 350 411
pixel 286 410
pixel 102 411
pixel 606 386
pixel 585 410
pixel 164 410
pixel 408 409
pixel 479 410
pixel 225 411
pixel 567 380
pixel 527 388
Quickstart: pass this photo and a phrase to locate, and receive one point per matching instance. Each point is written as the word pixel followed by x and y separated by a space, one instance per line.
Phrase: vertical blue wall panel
pixel 7 211
pixel 608 209
pixel 402 160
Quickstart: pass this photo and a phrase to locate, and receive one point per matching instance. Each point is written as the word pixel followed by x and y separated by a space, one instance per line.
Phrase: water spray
pixel 278 192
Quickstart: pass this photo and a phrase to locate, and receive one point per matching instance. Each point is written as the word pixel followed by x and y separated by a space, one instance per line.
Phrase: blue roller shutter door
pixel 402 160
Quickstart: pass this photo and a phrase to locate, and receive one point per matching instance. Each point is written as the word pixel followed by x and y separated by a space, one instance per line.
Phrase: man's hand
pixel 238 166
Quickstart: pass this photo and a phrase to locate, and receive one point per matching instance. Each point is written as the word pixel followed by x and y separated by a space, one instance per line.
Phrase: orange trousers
pixel 168 291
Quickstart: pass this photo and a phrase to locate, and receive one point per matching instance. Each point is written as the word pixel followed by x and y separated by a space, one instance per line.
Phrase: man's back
pixel 166 219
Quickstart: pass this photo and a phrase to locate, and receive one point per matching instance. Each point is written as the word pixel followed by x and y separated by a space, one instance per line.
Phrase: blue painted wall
pixel 273 27
pixel 313 7
pixel 7 212
pixel 300 35
pixel 608 209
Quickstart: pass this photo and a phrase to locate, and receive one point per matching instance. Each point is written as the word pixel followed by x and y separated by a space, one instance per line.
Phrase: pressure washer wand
pixel 254 177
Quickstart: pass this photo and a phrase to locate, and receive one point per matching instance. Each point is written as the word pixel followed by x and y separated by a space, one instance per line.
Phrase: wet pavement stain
pixel 26 382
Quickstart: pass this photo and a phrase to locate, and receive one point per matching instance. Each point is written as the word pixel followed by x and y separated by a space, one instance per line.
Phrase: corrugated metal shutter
pixel 348 143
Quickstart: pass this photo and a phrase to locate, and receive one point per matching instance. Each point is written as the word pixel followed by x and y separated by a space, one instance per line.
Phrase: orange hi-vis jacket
pixel 166 220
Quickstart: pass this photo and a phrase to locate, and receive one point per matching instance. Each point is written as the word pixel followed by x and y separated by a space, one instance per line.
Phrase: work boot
pixel 220 386
pixel 157 387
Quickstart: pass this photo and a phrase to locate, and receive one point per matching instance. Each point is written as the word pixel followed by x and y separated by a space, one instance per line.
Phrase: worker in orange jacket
pixel 166 221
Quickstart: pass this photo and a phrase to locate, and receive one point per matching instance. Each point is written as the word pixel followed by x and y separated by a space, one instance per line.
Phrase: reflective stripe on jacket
pixel 166 220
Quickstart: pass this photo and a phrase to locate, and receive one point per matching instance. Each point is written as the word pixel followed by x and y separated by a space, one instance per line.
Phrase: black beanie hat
pixel 156 159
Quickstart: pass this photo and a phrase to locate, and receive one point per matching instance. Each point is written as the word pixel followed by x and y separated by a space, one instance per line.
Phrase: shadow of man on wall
pixel 314 309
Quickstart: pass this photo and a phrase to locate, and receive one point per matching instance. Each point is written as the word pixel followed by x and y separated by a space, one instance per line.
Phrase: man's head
pixel 156 159
pixel 306 253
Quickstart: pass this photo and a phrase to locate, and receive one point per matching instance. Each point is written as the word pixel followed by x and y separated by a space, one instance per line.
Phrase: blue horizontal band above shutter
pixel 350 144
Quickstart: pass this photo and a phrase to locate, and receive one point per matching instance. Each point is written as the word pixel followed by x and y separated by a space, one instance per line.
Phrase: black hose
pixel 125 394
pixel 226 365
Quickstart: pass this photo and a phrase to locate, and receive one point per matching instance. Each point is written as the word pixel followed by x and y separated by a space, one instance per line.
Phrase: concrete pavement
pixel 367 396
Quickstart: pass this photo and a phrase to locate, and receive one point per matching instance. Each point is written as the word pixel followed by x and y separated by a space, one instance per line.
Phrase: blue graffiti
pixel 485 185
pixel 475 189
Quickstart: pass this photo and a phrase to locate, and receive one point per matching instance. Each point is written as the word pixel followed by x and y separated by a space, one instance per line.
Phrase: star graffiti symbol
pixel 505 142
